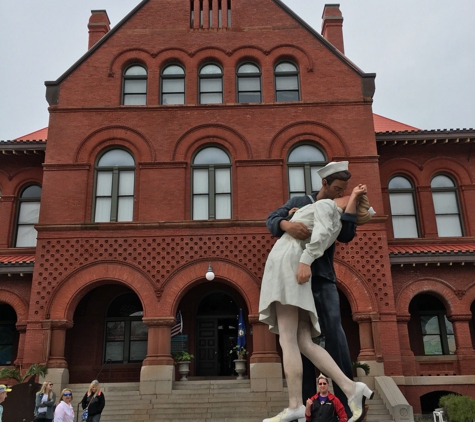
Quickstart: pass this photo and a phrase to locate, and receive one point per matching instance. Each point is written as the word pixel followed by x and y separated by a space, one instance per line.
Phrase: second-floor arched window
pixel 135 85
pixel 403 208
pixel 211 185
pixel 249 83
pixel 446 206
pixel 28 213
pixel 173 85
pixel 286 82
pixel 211 84
pixel 303 164
pixel 114 192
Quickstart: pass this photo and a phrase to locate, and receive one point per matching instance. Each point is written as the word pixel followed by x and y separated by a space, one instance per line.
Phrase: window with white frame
pixel 446 206
pixel 286 82
pixel 249 83
pixel 303 163
pixel 28 213
pixel 114 191
pixel 211 84
pixel 403 208
pixel 173 85
pixel 211 172
pixel 134 85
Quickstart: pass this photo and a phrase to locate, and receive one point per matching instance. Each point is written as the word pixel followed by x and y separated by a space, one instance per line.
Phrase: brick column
pixel 365 325
pixel 6 217
pixel 463 343
pixel 407 355
pixel 197 14
pixel 265 365
pixel 158 370
pixel 21 328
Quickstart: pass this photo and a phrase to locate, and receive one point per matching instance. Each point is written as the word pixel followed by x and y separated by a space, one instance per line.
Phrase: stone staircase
pixel 199 401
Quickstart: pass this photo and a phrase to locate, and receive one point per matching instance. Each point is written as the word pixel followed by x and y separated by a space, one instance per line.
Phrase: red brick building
pixel 168 144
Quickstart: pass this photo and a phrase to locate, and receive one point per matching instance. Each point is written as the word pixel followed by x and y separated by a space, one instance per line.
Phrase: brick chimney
pixel 99 25
pixel 332 26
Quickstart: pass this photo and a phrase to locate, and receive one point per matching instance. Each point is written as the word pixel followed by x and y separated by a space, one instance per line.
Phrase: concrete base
pixel 157 379
pixel 266 377
pixel 59 377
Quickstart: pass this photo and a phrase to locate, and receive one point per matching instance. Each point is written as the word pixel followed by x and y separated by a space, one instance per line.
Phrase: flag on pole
pixel 178 327
pixel 241 340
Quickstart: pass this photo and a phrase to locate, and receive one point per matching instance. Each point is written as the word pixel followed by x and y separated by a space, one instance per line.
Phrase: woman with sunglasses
pixel 44 403
pixel 64 410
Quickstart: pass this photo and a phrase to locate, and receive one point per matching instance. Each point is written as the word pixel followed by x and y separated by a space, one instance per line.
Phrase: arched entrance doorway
pixel 216 334
pixel 8 335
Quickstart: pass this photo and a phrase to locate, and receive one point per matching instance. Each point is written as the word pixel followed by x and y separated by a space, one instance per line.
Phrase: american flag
pixel 178 327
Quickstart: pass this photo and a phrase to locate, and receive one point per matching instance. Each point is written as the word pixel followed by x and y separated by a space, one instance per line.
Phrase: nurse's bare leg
pixel 288 319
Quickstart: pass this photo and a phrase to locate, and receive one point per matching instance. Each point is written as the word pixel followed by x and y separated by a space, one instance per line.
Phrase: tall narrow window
pixel 211 84
pixel 286 82
pixel 249 83
pixel 115 177
pixel 126 336
pixel 28 213
pixel 303 164
pixel 211 185
pixel 403 209
pixel 173 85
pixel 446 206
pixel 135 86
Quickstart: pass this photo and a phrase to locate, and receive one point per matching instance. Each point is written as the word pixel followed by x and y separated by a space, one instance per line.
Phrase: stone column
pixel 58 371
pixel 158 371
pixel 464 350
pixel 21 328
pixel 407 355
pixel 365 326
pixel 265 366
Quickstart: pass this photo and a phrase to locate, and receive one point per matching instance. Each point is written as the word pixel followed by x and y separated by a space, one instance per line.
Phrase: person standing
pixel 324 406
pixel 64 410
pixel 3 395
pixel 44 402
pixel 335 176
pixel 94 401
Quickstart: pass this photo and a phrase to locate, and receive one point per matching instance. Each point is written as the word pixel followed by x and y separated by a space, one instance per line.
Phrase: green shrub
pixel 458 408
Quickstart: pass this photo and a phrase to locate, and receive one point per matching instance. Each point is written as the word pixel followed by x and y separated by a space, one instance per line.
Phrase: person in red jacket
pixel 324 406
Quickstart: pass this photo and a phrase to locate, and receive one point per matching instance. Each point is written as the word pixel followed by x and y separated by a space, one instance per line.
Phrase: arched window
pixel 286 82
pixel 135 85
pixel 446 206
pixel 126 334
pixel 403 209
pixel 28 213
pixel 115 179
pixel 8 335
pixel 249 83
pixel 430 332
pixel 211 185
pixel 211 84
pixel 173 85
pixel 303 163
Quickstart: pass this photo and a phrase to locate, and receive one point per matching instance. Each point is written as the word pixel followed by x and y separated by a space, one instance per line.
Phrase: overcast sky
pixel 423 52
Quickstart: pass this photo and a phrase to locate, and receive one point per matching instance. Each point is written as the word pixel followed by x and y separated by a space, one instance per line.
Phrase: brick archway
pixel 188 276
pixel 19 305
pixel 72 289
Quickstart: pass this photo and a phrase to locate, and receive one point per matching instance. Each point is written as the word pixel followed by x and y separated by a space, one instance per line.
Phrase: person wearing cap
pixel 324 406
pixel 286 303
pixel 3 395
pixel 335 176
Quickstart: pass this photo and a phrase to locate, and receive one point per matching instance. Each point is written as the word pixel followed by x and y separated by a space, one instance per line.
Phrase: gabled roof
pixel 367 84
pixel 383 124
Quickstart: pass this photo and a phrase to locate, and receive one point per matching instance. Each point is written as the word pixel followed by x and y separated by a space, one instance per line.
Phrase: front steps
pixel 198 401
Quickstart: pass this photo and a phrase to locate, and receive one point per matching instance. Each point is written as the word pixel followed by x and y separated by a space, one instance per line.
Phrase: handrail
pixel 108 361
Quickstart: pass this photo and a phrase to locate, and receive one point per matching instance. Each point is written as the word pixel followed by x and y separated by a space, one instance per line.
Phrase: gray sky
pixel 423 52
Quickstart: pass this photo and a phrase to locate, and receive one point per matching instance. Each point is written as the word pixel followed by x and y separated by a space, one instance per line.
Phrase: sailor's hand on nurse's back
pixel 296 229
pixel 303 273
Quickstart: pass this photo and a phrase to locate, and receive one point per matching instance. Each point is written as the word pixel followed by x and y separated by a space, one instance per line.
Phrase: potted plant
pixel 183 359
pixel 240 362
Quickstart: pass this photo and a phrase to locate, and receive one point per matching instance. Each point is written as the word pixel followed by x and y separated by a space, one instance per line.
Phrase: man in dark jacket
pixel 335 176
pixel 324 406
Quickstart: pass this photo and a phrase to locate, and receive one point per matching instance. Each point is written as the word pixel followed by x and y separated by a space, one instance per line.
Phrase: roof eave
pixel 26 146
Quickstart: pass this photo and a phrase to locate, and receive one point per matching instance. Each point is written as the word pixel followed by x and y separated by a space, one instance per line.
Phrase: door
pixel 207 347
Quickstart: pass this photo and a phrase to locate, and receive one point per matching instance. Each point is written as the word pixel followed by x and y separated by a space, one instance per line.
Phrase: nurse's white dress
pixel 279 282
